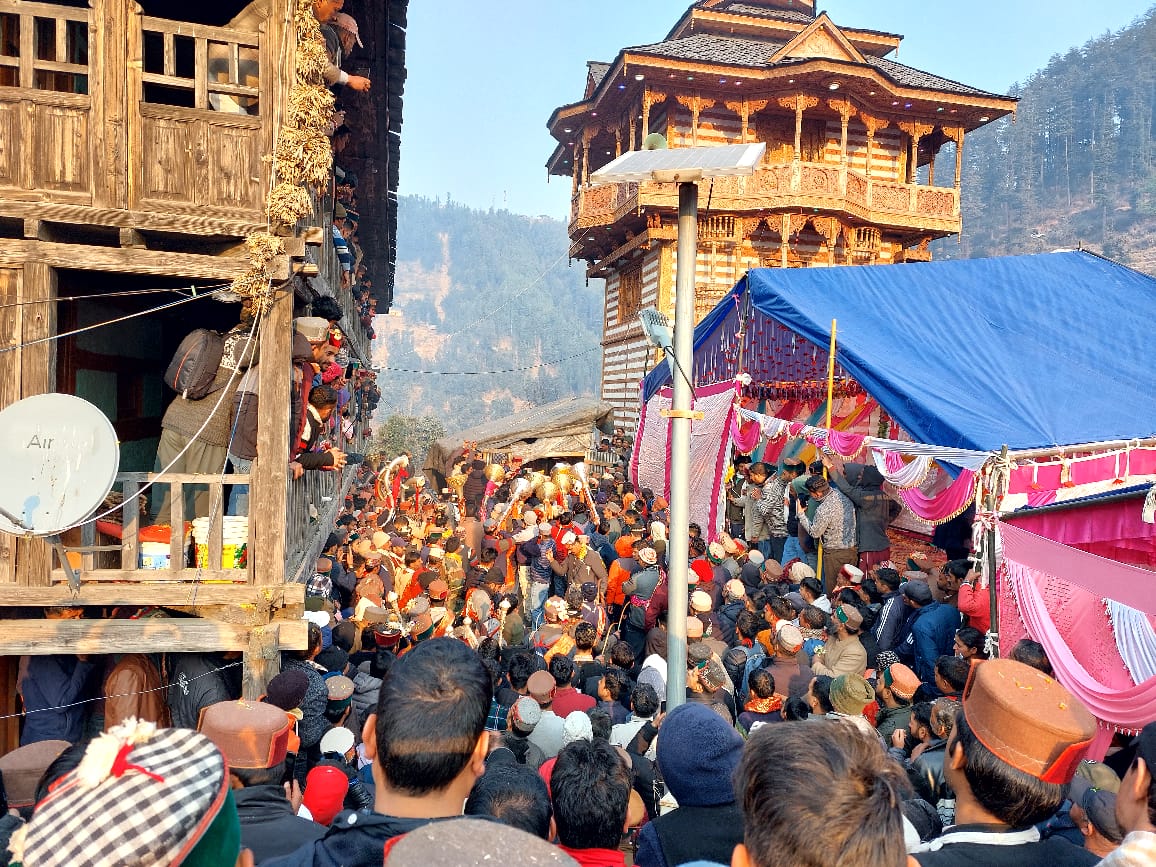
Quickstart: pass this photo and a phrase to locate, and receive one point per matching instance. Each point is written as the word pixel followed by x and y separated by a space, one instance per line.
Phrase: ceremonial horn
pixel 547 491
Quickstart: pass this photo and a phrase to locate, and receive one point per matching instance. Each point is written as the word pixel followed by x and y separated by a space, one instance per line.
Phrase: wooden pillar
pixel 262 661
pixel 784 237
pixel 916 130
pixel 269 482
pixel 617 142
pixel 956 133
pixel 695 105
pixel 846 112
pixel 109 65
pixel 650 98
pixel 931 170
pixel 630 122
pixel 799 104
pixel 37 376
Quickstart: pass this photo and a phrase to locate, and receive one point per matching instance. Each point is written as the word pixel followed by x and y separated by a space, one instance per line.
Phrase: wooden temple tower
pixel 134 163
pixel 854 171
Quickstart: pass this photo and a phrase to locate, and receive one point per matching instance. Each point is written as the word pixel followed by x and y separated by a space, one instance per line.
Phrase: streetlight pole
pixel 678 554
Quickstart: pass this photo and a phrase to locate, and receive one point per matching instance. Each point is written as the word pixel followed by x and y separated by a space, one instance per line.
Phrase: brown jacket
pixel 132 689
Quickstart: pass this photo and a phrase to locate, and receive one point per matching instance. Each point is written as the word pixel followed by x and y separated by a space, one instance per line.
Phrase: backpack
pixel 194 367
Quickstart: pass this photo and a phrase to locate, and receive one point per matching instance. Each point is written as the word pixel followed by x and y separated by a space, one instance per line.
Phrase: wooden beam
pixel 84 215
pixel 165 595
pixel 132 238
pixel 170 634
pixel 153 263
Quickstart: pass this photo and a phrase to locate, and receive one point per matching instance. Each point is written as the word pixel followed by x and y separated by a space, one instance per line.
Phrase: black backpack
pixel 194 367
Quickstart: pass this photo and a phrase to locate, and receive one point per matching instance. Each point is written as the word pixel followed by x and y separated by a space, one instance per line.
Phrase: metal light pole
pixel 685 167
pixel 678 546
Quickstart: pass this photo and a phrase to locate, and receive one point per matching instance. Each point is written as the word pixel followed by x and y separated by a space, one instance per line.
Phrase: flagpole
pixel 827 425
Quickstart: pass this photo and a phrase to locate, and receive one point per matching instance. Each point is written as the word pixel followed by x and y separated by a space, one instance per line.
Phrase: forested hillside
pixel 1078 165
pixel 484 291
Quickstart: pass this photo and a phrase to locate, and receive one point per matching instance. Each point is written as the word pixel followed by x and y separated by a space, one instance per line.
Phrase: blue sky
pixel 484 77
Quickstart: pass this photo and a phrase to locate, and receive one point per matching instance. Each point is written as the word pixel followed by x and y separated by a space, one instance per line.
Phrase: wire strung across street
pixel 492 372
pixel 28 711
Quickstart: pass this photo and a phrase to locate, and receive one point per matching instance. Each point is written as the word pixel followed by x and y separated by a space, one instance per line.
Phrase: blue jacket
pixel 51 682
pixel 932 636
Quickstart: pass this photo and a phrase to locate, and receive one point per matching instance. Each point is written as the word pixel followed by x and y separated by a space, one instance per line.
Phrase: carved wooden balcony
pixel 785 186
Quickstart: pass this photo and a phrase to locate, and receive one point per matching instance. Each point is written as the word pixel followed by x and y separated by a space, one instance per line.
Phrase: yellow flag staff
pixel 827 425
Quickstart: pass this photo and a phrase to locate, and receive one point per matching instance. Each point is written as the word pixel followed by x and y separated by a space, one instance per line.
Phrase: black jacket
pixel 353 840
pixel 268 825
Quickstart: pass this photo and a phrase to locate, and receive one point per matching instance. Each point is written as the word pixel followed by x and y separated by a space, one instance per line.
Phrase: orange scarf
pixel 765 705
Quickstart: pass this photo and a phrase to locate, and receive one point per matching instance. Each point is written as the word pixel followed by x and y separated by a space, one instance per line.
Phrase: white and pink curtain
pixel 709 451
pixel 1094 618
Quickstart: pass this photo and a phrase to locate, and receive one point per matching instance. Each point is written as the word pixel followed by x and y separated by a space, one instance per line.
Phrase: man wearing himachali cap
pixel 1010 756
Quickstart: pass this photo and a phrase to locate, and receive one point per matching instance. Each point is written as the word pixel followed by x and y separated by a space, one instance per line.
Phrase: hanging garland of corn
pixel 303 158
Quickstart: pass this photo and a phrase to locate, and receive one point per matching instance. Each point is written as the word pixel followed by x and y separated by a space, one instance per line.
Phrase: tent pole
pixel 830 401
pixel 990 505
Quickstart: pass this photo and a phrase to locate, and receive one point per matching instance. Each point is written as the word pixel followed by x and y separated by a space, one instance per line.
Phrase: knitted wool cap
pixel 850 693
pixel 141 797
pixel 799 571
pixel 698 754
pixel 647 556
pixel 576 727
pixel 525 714
pixel 287 689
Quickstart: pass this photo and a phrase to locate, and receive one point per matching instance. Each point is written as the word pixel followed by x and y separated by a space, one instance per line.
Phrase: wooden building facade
pixel 134 163
pixel 863 162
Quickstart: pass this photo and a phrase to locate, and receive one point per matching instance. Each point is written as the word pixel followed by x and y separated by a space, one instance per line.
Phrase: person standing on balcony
pixel 195 434
pixel 322 403
pixel 325 12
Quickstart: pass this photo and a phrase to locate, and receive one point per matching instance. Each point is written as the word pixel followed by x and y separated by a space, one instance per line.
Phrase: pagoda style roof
pixel 737 7
pixel 759 54
pixel 597 71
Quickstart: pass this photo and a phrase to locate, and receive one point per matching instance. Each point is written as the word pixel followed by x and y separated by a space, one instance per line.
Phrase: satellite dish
pixel 60 456
pixel 656 141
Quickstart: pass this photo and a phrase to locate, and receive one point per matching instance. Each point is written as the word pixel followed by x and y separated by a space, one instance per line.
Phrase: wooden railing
pixel 212 68
pixel 782 186
pixel 121 560
pixel 178 125
pixel 44 47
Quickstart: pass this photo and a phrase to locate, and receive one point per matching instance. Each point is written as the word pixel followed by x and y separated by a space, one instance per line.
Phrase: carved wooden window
pixel 629 292
pixel 43 47
pixel 195 66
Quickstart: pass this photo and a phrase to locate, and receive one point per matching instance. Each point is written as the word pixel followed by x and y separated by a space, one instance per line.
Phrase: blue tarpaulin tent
pixel 1024 351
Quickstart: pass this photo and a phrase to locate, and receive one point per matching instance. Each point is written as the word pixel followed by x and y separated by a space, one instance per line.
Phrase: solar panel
pixel 681 164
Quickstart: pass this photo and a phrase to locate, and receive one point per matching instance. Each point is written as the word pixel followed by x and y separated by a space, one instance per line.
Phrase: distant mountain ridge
pixel 1077 167
pixel 485 291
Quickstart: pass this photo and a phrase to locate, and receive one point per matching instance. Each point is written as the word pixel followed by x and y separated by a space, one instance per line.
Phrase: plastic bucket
pixel 154 555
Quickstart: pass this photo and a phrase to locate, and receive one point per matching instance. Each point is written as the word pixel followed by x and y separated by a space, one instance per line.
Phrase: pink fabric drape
pixel 845 445
pixel 1114 530
pixel 1119 703
pixel 943 506
pixel 1121 582
pixel 745 434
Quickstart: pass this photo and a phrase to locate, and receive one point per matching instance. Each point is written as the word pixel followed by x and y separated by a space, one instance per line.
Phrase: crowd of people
pixel 503 646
